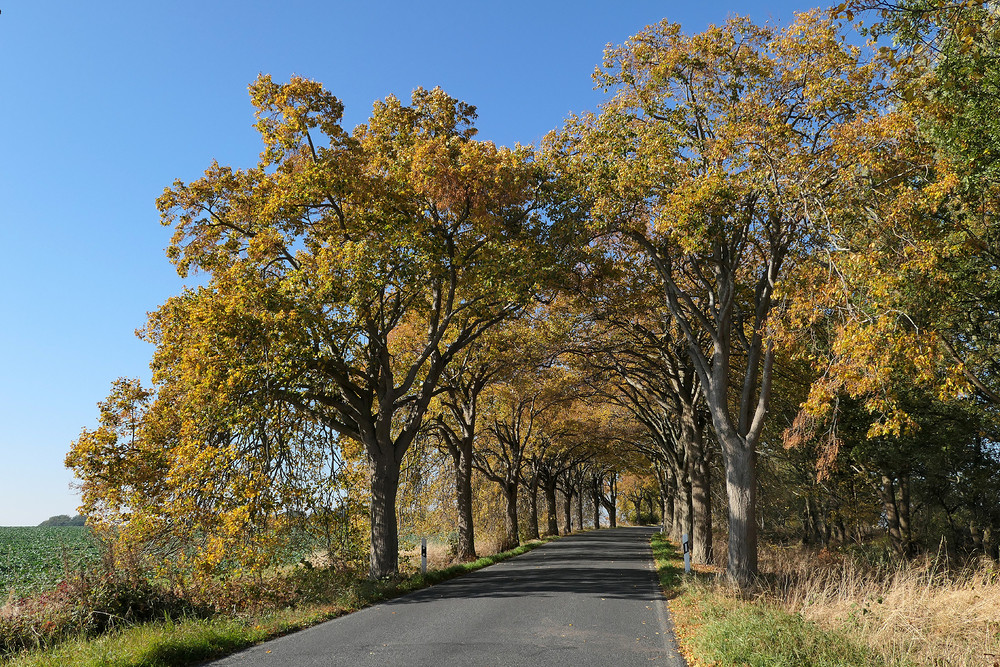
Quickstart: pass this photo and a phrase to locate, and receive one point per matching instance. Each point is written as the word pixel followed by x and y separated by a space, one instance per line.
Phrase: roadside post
pixel 687 554
pixel 423 555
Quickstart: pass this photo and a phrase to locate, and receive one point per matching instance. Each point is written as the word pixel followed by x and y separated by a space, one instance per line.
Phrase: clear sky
pixel 104 103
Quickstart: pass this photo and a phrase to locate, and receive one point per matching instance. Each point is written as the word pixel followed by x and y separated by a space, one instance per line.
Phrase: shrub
pixel 88 604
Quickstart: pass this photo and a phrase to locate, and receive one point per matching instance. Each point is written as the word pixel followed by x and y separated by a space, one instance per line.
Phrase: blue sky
pixel 106 103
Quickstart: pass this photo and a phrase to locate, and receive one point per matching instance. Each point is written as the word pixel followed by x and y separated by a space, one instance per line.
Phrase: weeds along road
pixel 588 599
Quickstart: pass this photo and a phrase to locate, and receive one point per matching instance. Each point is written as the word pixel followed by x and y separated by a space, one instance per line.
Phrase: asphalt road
pixel 588 599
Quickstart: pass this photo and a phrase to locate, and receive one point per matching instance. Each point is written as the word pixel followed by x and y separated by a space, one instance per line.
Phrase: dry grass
pixel 924 612
pixel 438 557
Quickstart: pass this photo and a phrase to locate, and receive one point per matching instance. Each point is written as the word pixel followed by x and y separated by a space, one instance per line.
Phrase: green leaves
pixel 36 559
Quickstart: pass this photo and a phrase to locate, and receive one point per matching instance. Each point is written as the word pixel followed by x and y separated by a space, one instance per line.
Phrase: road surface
pixel 588 599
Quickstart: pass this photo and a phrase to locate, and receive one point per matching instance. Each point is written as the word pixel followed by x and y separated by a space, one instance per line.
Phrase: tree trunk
pixel 905 525
pixel 567 512
pixel 977 536
pixel 682 508
pixel 663 509
pixel 510 539
pixel 822 525
pixel 701 508
pixel 888 493
pixel 741 490
pixel 989 544
pixel 466 548
pixel 533 509
pixel 579 508
pixel 670 511
pixel 807 522
pixel 384 483
pixel 613 504
pixel 840 529
pixel 595 493
pixel 552 524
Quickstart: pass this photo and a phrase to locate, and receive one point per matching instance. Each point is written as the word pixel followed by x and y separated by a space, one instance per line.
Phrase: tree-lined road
pixel 588 599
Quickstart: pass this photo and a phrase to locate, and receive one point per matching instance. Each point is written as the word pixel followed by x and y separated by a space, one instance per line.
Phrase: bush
pixel 85 604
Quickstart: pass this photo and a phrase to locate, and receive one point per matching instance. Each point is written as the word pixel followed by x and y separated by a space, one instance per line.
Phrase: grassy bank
pixel 716 627
pixel 174 643
pixel 926 611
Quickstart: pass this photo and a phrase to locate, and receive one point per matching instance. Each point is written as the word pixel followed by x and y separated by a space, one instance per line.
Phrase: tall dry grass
pixel 929 611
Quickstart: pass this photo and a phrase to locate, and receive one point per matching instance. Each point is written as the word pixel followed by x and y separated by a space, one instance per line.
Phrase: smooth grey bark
pixel 611 501
pixel 700 474
pixel 741 489
pixel 887 492
pixel 466 547
pixel 682 507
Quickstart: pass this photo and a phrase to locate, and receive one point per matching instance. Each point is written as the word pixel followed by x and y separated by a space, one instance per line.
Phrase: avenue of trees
pixel 755 293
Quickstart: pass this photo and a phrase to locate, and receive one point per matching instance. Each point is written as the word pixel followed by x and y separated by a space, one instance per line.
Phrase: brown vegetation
pixel 930 610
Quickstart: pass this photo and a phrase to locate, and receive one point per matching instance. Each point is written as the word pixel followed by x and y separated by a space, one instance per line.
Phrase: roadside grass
pixel 189 641
pixel 928 610
pixel 715 626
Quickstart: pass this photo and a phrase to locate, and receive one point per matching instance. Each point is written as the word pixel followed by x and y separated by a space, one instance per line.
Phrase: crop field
pixel 33 559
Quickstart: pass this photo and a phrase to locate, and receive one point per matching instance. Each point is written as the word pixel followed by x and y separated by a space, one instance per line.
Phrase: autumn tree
pixel 198 487
pixel 717 157
pixel 360 264
pixel 642 364
pixel 563 437
pixel 907 289
pixel 120 470
pixel 456 425
pixel 949 56
pixel 601 481
pixel 512 412
pixel 516 411
pixel 455 421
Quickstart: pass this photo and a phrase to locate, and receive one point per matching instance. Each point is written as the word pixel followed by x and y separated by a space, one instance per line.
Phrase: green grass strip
pixel 191 641
pixel 716 627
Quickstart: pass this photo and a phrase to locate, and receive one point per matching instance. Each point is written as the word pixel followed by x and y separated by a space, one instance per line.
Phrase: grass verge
pixel 191 641
pixel 717 627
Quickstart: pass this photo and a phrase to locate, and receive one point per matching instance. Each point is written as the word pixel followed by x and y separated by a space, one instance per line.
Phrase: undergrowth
pixel 928 610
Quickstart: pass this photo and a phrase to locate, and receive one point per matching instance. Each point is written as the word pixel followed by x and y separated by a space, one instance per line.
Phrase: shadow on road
pixel 597 564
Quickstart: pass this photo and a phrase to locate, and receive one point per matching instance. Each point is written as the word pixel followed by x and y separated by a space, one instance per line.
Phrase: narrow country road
pixel 588 599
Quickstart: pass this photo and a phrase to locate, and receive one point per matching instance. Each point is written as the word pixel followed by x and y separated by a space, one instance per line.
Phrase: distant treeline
pixel 64 520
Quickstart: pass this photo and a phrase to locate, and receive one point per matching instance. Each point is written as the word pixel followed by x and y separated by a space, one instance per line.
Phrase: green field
pixel 33 559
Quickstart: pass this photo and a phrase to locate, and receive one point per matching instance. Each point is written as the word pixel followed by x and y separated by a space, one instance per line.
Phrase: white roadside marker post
pixel 687 554
pixel 423 555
